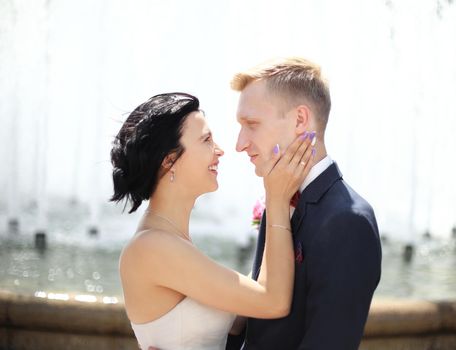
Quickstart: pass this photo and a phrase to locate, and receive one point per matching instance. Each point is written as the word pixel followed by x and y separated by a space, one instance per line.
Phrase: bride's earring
pixel 172 175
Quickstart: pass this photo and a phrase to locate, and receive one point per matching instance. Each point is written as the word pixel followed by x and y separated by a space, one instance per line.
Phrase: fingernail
pixel 304 136
pixel 276 149
pixel 313 152
pixel 312 135
pixel 314 141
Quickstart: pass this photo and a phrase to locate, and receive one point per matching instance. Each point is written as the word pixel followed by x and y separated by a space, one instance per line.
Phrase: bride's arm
pixel 240 321
pixel 178 265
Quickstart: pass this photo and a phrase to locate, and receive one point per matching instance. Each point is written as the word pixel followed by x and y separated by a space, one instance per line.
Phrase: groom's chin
pixel 258 171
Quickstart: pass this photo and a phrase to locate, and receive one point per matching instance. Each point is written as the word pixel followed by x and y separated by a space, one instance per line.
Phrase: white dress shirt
pixel 316 170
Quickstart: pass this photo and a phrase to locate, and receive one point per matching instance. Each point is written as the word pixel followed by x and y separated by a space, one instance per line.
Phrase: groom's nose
pixel 242 142
pixel 218 151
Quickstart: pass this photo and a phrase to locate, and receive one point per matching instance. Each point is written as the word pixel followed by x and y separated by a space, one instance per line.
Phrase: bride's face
pixel 196 169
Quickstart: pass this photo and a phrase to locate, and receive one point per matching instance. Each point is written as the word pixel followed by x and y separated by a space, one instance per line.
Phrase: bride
pixel 175 296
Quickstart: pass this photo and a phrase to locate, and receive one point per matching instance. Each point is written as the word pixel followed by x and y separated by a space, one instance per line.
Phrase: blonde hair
pixel 294 79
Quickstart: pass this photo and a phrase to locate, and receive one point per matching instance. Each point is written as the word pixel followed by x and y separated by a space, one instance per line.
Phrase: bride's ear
pixel 302 119
pixel 169 161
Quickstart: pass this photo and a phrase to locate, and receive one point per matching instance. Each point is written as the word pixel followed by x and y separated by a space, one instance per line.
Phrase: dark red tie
pixel 295 199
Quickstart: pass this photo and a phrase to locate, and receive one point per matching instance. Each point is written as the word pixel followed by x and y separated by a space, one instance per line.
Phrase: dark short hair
pixel 150 133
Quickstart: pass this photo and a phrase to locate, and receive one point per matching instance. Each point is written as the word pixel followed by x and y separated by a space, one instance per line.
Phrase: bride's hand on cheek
pixel 286 171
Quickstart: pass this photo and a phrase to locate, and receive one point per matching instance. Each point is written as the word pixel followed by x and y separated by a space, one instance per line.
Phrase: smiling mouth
pixel 213 169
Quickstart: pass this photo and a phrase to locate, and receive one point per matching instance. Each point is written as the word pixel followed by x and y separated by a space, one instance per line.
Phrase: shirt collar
pixel 316 170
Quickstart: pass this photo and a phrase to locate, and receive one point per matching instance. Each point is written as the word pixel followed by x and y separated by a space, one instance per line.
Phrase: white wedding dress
pixel 190 325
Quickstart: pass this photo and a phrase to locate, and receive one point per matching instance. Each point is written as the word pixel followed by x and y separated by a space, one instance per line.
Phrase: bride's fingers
pixel 289 154
pixel 303 147
pixel 306 156
pixel 306 162
pixel 293 154
pixel 271 163
pixel 293 148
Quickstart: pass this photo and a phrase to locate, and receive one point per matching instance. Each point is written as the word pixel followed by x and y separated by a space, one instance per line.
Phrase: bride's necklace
pixel 185 236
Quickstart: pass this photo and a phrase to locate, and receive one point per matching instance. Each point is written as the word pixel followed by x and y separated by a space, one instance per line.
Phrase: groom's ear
pixel 302 119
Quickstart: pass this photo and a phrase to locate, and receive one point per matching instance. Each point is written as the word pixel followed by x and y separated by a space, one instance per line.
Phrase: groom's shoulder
pixel 344 201
pixel 344 197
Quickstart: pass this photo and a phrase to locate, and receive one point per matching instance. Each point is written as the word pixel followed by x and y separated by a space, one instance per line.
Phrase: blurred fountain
pixel 400 79
pixel 427 233
pixel 42 139
pixel 13 168
pixel 74 196
pixel 99 63
pixel 244 251
pixel 415 116
pixel 13 193
pixel 411 239
pixel 10 110
pixel 392 64
pixel 89 66
pixel 94 204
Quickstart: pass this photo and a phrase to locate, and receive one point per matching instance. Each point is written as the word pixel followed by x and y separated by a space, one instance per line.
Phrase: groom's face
pixel 263 124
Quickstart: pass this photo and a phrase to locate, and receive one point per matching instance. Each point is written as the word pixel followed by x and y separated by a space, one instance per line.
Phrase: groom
pixel 335 234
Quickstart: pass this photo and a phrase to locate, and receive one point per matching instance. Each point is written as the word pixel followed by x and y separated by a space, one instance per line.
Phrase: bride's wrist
pixel 277 203
pixel 277 211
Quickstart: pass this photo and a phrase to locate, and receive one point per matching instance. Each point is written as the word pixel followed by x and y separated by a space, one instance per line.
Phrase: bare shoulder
pixel 152 246
pixel 156 254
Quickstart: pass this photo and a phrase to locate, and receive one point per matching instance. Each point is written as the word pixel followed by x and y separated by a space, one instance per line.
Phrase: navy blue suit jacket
pixel 338 266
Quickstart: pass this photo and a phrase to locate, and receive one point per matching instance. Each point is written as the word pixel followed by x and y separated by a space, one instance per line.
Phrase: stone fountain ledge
pixel 29 322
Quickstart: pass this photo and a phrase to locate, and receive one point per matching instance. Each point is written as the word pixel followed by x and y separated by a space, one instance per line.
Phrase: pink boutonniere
pixel 258 210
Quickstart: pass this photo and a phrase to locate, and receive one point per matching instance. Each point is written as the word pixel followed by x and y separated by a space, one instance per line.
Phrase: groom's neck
pixel 320 150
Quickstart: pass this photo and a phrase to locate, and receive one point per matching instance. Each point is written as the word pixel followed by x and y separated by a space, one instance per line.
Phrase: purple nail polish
pixel 313 152
pixel 276 149
pixel 312 135
pixel 304 136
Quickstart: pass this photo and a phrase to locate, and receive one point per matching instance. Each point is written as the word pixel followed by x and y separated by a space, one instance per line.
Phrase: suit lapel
pixel 313 193
pixel 260 247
